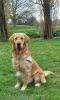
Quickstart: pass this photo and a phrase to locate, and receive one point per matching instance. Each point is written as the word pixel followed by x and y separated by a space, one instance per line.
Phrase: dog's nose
pixel 18 44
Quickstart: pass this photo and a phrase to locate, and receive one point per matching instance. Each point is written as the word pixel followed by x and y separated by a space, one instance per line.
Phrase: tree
pixel 3 25
pixel 14 9
pixel 47 19
pixel 47 6
pixel 17 9
pixel 31 21
pixel 7 9
pixel 20 9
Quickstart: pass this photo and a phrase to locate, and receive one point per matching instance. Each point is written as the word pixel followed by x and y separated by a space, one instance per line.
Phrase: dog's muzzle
pixel 18 45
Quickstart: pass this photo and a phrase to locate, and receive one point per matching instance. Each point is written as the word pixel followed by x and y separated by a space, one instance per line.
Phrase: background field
pixel 32 31
pixel 47 54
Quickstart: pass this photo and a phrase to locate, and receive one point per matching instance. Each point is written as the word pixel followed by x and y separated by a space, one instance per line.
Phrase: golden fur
pixel 25 70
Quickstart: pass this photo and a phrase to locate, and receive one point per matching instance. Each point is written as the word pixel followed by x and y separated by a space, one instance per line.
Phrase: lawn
pixel 47 54
pixel 30 30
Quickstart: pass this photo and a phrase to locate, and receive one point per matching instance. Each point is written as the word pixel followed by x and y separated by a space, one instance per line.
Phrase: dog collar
pixel 29 58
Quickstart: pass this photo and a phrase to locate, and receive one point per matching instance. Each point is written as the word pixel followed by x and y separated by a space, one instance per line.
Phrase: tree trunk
pixel 47 20
pixel 3 25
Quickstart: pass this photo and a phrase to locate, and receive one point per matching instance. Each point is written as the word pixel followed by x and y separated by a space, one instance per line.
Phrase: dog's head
pixel 19 40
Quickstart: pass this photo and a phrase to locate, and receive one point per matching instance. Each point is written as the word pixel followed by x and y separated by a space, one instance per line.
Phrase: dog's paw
pixel 43 80
pixel 37 84
pixel 23 88
pixel 17 85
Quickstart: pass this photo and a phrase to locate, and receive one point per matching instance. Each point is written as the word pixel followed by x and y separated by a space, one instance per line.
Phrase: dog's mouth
pixel 19 48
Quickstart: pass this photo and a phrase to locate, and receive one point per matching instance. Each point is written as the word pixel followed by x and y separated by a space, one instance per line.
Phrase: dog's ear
pixel 27 38
pixel 11 39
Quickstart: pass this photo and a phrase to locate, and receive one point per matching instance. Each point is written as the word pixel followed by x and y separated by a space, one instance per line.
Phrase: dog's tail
pixel 47 73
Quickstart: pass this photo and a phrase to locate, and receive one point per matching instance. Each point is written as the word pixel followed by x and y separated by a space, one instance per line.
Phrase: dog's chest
pixel 21 63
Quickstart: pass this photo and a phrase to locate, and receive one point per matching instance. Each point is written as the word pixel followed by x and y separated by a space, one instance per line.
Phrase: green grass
pixel 47 55
pixel 30 30
pixel 57 28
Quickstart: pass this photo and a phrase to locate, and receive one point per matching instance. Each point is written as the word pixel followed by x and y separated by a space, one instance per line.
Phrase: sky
pixel 59 13
pixel 36 13
pixel 39 18
pixel 56 14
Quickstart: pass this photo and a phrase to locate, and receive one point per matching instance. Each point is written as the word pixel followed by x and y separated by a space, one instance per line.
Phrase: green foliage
pixel 32 31
pixel 23 28
pixel 47 55
pixel 56 32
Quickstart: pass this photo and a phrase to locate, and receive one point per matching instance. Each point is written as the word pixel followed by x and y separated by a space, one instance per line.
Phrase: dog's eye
pixel 16 38
pixel 21 38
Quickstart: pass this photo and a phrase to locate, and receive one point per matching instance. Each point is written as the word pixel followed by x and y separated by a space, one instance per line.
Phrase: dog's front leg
pixel 17 85
pixel 24 85
pixel 18 78
pixel 26 81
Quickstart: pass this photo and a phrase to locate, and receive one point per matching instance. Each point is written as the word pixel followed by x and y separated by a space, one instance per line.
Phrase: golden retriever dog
pixel 26 67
